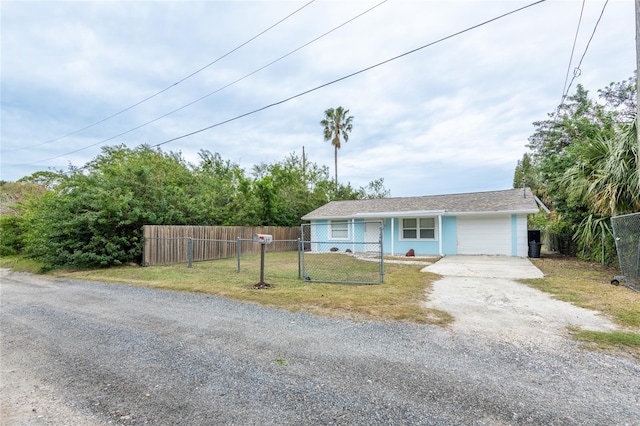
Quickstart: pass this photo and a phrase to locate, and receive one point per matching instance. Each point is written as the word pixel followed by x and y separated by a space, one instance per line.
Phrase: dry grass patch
pixel 22 264
pixel 400 298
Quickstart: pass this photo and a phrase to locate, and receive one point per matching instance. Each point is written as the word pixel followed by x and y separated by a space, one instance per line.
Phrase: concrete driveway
pixel 482 293
pixel 485 267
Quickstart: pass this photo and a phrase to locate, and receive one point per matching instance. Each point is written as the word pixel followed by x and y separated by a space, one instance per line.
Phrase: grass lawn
pixel 588 285
pixel 400 298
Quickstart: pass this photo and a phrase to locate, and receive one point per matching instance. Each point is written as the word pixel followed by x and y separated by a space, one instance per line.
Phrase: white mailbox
pixel 262 238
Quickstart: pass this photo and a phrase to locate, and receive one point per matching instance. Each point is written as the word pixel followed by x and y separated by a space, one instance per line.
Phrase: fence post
pixel 299 259
pixel 381 255
pixel 602 240
pixel 190 251
pixel 262 250
pixel 238 250
pixel 144 251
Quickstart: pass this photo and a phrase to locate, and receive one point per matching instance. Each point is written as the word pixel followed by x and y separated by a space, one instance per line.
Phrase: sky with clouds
pixel 451 117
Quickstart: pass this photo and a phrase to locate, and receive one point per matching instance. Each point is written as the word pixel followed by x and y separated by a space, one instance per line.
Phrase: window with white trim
pixel 421 228
pixel 339 230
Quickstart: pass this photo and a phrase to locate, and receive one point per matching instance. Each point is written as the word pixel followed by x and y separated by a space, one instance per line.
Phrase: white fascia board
pixel 527 211
pixel 326 218
pixel 541 205
pixel 417 213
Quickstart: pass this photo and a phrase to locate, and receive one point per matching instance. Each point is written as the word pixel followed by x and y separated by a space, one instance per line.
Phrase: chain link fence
pixel 167 251
pixel 348 252
pixel 626 230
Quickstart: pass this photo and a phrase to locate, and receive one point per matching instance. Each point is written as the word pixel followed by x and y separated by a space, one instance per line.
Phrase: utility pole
pixel 304 166
pixel 638 85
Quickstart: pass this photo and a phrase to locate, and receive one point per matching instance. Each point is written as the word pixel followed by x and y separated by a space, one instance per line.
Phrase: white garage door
pixel 484 235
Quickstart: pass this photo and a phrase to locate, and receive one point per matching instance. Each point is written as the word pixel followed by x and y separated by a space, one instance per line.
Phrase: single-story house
pixel 490 223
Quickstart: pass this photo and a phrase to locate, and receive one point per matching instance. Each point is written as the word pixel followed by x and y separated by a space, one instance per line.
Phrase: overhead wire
pixel 573 48
pixel 170 86
pixel 349 75
pixel 219 89
pixel 578 71
pixel 330 82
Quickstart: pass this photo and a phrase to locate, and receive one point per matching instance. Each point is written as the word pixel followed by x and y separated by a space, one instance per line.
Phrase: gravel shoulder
pixel 89 353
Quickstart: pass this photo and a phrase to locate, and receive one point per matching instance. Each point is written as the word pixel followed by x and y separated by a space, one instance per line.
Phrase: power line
pixel 349 75
pixel 573 48
pixel 168 87
pixel 217 90
pixel 322 85
pixel 577 71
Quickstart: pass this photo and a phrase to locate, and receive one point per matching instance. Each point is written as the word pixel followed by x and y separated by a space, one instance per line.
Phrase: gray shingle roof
pixel 511 200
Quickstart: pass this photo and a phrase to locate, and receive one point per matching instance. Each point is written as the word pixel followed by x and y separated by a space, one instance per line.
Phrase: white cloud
pixel 452 117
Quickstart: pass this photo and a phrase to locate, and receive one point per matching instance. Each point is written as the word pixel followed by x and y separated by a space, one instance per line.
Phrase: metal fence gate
pixel 626 230
pixel 343 251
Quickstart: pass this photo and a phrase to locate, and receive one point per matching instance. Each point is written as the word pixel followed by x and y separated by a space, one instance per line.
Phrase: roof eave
pixel 418 213
pixel 494 212
pixel 414 213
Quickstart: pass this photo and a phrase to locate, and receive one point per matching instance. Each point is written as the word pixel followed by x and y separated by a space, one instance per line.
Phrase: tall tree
pixel 525 173
pixel 585 166
pixel 337 124
pixel 606 173
pixel 605 178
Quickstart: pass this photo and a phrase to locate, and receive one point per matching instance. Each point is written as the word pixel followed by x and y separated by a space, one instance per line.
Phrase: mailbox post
pixel 263 240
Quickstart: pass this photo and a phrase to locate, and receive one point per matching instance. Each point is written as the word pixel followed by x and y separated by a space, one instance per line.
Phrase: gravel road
pixel 78 353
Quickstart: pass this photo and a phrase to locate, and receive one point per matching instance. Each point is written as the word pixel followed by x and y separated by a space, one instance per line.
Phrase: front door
pixel 372 231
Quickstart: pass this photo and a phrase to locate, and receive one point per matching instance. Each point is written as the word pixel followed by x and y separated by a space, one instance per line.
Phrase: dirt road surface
pixel 78 353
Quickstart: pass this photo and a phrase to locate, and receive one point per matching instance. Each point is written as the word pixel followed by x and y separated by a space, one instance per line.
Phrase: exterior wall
pixel 356 239
pixel 400 247
pixel 449 235
pixel 387 243
pixel 521 243
pixel 493 235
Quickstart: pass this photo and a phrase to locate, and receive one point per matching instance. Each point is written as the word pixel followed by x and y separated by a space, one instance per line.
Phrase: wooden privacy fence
pixel 164 245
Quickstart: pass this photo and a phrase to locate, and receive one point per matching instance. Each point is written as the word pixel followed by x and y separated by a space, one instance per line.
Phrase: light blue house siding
pixel 352 234
pixel 449 232
pixel 445 242
pixel 478 223
pixel 343 234
pixel 396 245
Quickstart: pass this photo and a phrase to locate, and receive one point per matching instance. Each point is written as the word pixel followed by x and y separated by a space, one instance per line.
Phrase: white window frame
pixel 346 228
pixel 417 229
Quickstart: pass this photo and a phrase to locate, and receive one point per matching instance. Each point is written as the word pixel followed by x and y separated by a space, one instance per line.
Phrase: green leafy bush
pixel 11 236
pixel 93 217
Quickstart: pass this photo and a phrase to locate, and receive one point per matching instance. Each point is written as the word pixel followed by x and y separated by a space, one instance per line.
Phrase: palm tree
pixel 337 124
pixel 605 178
pixel 606 173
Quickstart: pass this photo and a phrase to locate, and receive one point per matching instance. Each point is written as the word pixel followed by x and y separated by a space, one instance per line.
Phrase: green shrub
pixel 11 235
